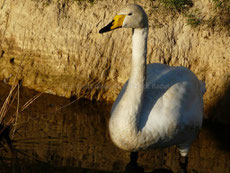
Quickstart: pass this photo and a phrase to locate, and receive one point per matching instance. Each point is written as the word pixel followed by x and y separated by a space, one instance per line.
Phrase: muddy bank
pixel 56 48
pixel 77 137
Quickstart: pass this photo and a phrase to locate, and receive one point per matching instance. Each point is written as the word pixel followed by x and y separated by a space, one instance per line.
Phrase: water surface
pixel 77 137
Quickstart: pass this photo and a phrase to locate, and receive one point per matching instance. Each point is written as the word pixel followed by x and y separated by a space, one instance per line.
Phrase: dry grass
pixel 9 118
pixel 8 121
pixel 9 124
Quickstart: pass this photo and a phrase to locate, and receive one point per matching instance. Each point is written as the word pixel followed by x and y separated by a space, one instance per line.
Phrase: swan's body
pixel 158 107
pixel 168 113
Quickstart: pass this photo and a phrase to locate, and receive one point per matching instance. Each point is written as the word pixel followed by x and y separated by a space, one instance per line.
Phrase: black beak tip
pixel 106 28
pixel 101 31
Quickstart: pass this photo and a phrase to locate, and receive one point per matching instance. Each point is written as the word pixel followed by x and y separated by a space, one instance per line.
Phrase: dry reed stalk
pixel 6 105
pixel 31 156
pixel 17 111
pixel 29 102
pixel 13 120
pixel 8 102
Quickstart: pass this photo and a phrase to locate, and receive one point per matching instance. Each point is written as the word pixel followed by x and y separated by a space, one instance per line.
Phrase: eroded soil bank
pixel 77 137
pixel 54 47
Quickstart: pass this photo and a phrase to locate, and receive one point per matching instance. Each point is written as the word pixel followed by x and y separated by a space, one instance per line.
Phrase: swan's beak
pixel 116 23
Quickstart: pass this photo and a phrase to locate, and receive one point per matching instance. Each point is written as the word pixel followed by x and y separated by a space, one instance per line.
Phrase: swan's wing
pixel 172 97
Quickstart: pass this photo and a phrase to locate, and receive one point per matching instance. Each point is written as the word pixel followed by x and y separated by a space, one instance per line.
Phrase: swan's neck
pixel 135 89
pixel 125 117
pixel 138 69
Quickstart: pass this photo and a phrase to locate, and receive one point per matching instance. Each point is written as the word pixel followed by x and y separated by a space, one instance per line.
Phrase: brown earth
pixel 59 49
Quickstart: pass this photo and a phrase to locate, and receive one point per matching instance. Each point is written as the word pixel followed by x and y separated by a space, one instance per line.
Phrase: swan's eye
pixel 130 14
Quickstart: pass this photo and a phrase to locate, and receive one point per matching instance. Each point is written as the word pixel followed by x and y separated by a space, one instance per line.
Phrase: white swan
pixel 158 107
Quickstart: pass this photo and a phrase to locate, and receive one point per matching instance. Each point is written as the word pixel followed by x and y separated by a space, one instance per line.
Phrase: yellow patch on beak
pixel 118 21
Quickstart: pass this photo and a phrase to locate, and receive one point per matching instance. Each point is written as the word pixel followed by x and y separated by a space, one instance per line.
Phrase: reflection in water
pixel 77 137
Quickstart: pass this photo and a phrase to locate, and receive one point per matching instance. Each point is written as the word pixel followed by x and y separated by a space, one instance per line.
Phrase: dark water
pixel 76 137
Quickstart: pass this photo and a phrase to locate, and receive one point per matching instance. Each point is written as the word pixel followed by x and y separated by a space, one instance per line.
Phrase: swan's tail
pixel 202 87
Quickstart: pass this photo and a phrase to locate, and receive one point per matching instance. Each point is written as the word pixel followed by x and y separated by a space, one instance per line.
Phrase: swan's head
pixel 132 16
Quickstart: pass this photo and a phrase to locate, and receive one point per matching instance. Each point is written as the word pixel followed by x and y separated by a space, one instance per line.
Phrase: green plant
pixel 179 5
pixel 222 17
pixel 193 18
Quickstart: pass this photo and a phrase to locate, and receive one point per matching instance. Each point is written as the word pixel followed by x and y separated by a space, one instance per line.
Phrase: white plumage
pixel 158 107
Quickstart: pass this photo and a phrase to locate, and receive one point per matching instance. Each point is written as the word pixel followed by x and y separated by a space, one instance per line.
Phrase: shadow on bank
pixel 218 122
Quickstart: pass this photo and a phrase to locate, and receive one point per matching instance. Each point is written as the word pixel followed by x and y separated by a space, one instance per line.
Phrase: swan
pixel 159 106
